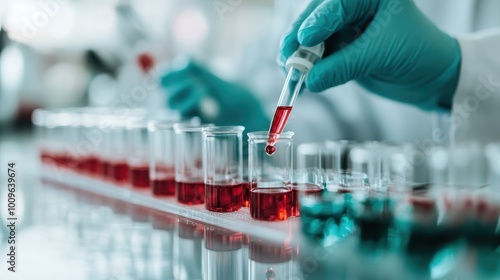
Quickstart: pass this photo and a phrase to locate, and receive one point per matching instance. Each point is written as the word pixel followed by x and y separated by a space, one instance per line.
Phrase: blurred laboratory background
pixel 56 54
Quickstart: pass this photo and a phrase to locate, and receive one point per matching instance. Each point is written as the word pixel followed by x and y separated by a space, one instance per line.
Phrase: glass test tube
pixel 138 153
pixel 367 158
pixel 57 129
pixel 162 155
pixel 306 182
pixel 106 148
pixel 88 147
pixel 119 167
pixel 270 177
pixel 223 163
pixel 189 171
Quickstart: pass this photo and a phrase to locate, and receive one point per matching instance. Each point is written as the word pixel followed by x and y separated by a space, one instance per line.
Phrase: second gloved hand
pixel 195 91
pixel 388 46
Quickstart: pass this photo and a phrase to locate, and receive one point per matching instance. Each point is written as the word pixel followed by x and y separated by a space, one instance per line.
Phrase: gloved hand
pixel 194 91
pixel 388 46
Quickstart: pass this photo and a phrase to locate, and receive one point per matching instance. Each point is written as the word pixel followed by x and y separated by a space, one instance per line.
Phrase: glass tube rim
pixel 222 130
pixel 197 128
pixel 264 135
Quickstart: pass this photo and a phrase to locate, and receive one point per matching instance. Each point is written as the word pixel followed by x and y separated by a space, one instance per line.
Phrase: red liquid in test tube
pixel 164 182
pixel 139 176
pixel 93 165
pixel 303 189
pixel 163 186
pixel 190 193
pixel 226 198
pixel 120 172
pixel 246 194
pixel 278 124
pixel 271 204
pixel 106 170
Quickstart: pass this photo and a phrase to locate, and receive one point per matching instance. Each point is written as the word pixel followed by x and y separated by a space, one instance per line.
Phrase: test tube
pixel 306 182
pixel 89 143
pixel 138 153
pixel 223 163
pixel 367 158
pixel 162 155
pixel 270 177
pixel 189 171
pixel 309 155
pixel 119 151
pixel 58 123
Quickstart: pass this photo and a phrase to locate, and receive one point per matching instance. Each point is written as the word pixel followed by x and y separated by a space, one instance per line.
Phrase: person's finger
pixel 289 43
pixel 332 16
pixel 351 62
pixel 184 96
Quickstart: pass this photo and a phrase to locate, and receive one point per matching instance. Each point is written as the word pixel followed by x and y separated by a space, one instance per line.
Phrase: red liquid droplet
pixel 146 61
pixel 139 176
pixel 270 150
pixel 190 193
pixel 223 198
pixel 303 189
pixel 271 204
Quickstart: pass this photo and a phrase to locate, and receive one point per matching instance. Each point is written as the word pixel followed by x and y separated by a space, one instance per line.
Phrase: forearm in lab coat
pixel 476 105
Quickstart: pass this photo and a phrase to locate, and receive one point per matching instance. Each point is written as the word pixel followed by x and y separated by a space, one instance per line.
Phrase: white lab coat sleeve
pixel 476 104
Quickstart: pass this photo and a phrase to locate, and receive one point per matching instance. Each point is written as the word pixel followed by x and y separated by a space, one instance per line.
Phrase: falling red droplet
pixel 270 150
pixel 146 61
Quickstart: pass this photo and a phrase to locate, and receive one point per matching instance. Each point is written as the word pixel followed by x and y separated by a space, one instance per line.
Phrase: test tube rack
pixel 240 220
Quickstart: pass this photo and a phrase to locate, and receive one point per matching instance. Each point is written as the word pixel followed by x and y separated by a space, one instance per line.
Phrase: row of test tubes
pixel 170 156
pixel 432 195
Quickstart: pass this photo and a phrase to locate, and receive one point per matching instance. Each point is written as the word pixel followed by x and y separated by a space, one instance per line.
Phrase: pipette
pixel 298 66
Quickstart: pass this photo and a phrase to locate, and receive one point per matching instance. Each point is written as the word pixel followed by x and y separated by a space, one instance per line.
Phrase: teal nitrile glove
pixel 194 91
pixel 387 46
